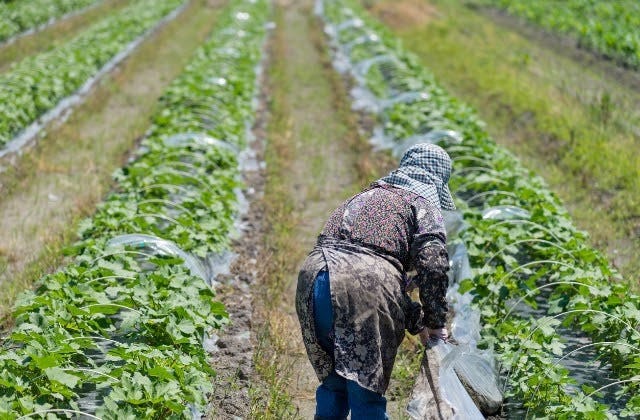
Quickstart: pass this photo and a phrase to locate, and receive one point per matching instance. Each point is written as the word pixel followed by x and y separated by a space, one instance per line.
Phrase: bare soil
pixel 233 359
pixel 405 13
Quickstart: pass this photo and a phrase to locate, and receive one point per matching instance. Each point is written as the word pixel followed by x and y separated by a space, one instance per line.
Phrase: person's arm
pixel 431 262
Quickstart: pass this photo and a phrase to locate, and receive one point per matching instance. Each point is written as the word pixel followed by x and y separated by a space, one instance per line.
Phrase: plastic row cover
pixel 464 367
pixel 363 98
pixel 158 246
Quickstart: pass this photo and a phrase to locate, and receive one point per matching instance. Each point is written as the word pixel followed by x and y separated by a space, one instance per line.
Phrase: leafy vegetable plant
pixel 120 332
pixel 20 16
pixel 607 27
pixel 38 83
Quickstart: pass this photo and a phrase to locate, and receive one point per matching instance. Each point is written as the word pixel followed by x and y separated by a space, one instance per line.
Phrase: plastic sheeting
pixel 199 139
pixel 158 246
pixel 451 387
pixel 465 370
pixel 467 378
pixel 506 213
pixel 476 373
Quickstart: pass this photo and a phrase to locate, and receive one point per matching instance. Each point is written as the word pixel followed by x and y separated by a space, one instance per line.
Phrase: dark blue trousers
pixel 336 396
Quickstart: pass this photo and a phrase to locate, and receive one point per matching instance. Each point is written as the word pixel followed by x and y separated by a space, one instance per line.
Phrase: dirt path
pixel 315 159
pixel 69 171
pixel 316 170
pixel 232 356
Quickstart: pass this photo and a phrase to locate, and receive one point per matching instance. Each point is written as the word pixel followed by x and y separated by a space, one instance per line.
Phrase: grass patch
pixel 572 124
pixel 56 34
pixel 62 179
pixel 270 398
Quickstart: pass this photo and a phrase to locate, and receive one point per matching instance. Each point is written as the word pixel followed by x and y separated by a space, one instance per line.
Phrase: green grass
pixel 571 123
pixel 270 396
pixel 403 377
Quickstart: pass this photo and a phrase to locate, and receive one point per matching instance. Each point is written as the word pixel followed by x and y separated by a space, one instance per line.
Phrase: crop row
pixel 38 83
pixel 121 331
pixel 608 27
pixel 534 274
pixel 20 16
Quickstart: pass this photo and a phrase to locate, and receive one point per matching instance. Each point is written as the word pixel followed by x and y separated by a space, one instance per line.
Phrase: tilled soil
pixel 232 355
pixel 233 352
pixel 232 358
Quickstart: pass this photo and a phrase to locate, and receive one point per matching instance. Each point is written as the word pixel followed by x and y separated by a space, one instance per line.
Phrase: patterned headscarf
pixel 425 170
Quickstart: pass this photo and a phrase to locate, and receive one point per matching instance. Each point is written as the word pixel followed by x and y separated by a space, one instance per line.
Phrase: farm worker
pixel 351 299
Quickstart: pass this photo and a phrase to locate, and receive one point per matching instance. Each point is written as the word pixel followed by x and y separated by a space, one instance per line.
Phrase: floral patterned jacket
pixel 368 245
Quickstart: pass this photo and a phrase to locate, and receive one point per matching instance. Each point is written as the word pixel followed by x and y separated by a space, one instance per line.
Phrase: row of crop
pixel 38 83
pixel 608 27
pixel 20 16
pixel 538 260
pixel 121 331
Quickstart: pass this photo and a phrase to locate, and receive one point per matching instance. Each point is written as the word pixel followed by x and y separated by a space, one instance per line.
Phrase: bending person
pixel 351 299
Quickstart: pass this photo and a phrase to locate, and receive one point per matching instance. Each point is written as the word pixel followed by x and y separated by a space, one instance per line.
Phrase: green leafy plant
pixel 38 83
pixel 21 16
pixel 123 330
pixel 607 27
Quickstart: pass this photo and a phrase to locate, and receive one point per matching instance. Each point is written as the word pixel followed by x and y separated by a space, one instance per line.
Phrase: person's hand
pixel 427 335
pixel 439 334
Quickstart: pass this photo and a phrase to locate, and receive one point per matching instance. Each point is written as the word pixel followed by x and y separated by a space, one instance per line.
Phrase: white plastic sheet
pixel 159 246
pixel 506 213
